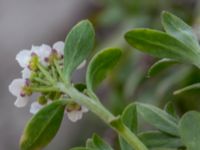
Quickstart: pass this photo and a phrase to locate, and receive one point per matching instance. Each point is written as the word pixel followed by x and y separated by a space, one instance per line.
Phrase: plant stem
pixel 59 70
pixel 105 115
pixel 46 74
pixel 44 89
pixel 42 81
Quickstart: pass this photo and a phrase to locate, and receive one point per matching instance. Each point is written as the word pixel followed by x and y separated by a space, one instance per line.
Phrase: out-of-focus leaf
pixel 112 15
pixel 176 27
pixel 80 148
pixel 160 65
pixel 170 81
pixel 162 45
pixel 80 87
pixel 170 109
pixel 154 139
pixel 129 117
pixel 90 144
pixel 187 88
pixel 189 129
pixel 133 81
pixel 78 45
pixel 164 148
pixel 96 143
pixel 158 118
pixel 99 66
pixel 41 129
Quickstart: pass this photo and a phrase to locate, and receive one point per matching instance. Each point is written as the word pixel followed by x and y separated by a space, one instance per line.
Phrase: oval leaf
pixel 97 143
pixel 176 27
pixel 160 65
pixel 129 117
pixel 170 109
pixel 187 88
pixel 162 45
pixel 41 129
pixel 78 45
pixel 153 139
pixel 158 118
pixel 99 66
pixel 189 128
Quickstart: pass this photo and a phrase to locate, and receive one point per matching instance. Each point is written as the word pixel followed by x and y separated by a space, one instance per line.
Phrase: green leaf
pixel 187 88
pixel 170 109
pixel 160 65
pixel 158 118
pixel 41 129
pixel 160 148
pixel 90 144
pixel 80 148
pixel 99 66
pixel 100 143
pixel 162 45
pixel 78 45
pixel 129 118
pixel 153 139
pixel 176 27
pixel 80 87
pixel 189 128
pixel 96 143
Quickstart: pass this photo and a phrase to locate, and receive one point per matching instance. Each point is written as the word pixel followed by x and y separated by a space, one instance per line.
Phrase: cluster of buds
pixel 38 64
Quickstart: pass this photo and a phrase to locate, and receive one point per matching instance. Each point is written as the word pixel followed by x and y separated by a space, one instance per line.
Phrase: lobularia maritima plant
pixel 48 71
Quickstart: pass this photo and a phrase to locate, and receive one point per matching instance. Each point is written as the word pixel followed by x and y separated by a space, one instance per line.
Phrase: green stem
pixel 54 75
pixel 44 89
pixel 40 81
pixel 104 114
pixel 46 74
pixel 59 71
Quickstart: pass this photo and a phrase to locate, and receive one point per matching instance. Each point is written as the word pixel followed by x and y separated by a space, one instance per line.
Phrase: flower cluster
pixel 39 72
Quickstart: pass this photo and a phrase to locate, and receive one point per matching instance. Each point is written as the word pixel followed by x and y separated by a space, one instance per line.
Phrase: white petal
pixel 84 109
pixel 23 58
pixel 44 52
pixel 81 65
pixel 26 73
pixel 16 86
pixel 74 115
pixel 35 107
pixel 35 49
pixel 59 47
pixel 21 101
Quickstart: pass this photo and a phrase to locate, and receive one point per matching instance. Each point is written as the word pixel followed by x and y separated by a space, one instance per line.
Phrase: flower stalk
pixel 98 109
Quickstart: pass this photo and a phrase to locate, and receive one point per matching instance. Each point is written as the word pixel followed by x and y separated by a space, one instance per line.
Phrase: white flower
pixel 35 107
pixel 43 52
pixel 75 115
pixel 23 58
pixel 26 73
pixel 59 47
pixel 16 88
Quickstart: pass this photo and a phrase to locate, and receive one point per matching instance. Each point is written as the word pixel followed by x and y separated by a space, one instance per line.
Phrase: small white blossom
pixel 23 58
pixel 35 107
pixel 16 88
pixel 59 48
pixel 43 52
pixel 76 115
pixel 26 73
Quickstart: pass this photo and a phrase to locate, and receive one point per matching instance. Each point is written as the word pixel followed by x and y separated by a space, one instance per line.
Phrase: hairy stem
pixel 105 115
